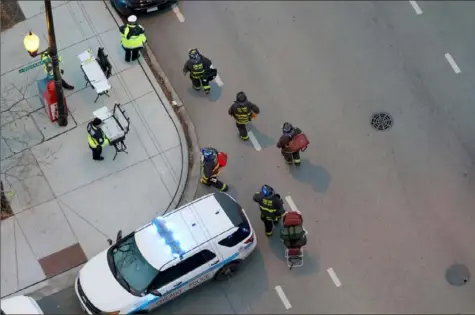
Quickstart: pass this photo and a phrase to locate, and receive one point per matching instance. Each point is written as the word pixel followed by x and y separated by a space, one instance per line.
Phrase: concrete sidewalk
pixel 65 204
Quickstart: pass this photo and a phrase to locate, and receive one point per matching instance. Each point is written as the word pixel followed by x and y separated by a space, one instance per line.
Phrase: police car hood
pixel 101 288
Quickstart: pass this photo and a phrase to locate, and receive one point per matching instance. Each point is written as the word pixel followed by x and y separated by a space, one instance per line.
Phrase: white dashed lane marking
pixel 334 277
pixel 291 203
pixel 254 141
pixel 416 7
pixel 452 63
pixel 282 297
pixel 218 81
pixel 178 13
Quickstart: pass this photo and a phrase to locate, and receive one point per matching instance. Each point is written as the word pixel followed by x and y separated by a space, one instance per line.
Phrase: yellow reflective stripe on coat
pixel 242 119
pixel 268 209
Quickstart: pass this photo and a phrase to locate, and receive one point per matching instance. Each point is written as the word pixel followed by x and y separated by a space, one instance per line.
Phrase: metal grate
pixel 381 121
pixel 457 275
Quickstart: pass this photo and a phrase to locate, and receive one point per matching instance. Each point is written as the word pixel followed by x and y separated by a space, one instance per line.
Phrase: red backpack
pixel 299 142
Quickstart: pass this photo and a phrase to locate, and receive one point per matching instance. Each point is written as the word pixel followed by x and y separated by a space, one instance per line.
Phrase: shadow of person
pixel 314 175
pixel 215 93
pixel 264 140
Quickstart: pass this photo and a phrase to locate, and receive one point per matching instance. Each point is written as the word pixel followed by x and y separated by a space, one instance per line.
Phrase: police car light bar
pixel 167 235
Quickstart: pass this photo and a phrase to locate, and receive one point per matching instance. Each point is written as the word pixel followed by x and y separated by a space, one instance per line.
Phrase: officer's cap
pixel 132 19
pixel 96 122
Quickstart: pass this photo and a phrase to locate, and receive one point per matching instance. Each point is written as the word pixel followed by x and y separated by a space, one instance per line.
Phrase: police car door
pixel 183 276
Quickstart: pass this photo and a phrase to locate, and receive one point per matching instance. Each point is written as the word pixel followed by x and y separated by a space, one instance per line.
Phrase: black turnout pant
pixel 242 131
pixel 132 52
pixel 96 152
pixel 291 157
pixel 214 181
pixel 200 82
pixel 269 224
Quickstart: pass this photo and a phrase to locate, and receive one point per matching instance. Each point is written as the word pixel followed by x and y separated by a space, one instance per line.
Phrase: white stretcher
pixel 94 74
pixel 115 125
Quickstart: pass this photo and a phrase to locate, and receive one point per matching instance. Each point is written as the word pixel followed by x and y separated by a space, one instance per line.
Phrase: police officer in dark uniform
pixel 271 206
pixel 197 66
pixel 210 169
pixel 96 139
pixel 242 111
pixel 288 132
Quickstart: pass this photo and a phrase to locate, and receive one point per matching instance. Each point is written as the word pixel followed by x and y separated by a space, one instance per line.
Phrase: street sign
pixel 31 66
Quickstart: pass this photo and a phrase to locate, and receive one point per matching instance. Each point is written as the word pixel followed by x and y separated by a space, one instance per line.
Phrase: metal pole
pixel 53 52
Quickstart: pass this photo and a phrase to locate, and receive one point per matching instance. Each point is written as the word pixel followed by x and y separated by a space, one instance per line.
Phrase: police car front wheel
pixel 227 271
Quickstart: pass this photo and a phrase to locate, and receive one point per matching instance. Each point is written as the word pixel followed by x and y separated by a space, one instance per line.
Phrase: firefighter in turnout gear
pixel 48 67
pixel 211 169
pixel 271 206
pixel 96 139
pixel 198 65
pixel 132 38
pixel 243 111
pixel 288 132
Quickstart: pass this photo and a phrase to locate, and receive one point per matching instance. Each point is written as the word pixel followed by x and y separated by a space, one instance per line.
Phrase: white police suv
pixel 180 250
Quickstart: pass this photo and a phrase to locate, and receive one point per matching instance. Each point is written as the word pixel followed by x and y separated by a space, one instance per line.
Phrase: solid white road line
pixel 334 277
pixel 283 298
pixel 291 203
pixel 218 81
pixel 416 7
pixel 254 141
pixel 178 13
pixel 452 63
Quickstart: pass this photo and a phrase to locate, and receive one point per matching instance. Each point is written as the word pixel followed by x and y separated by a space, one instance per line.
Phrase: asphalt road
pixel 389 211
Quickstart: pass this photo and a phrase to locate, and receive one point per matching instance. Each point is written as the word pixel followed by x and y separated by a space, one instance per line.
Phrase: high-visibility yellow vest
pixel 134 41
pixel 48 64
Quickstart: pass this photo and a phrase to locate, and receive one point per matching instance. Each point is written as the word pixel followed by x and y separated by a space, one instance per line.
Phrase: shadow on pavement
pixel 62 302
pixel 264 140
pixel 215 93
pixel 213 96
pixel 314 175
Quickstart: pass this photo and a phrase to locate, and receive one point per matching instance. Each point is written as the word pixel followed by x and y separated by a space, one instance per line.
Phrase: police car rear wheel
pixel 227 271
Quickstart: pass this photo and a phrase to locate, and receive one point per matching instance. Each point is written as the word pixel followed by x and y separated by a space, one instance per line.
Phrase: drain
pixel 457 275
pixel 381 121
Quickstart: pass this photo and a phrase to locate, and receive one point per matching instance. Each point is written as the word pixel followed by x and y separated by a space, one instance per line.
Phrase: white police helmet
pixel 132 19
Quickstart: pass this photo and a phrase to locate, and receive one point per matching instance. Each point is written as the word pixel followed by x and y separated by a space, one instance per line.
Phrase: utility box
pixel 47 91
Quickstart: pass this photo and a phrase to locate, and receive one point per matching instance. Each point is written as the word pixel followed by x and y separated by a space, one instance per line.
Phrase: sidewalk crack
pixel 80 216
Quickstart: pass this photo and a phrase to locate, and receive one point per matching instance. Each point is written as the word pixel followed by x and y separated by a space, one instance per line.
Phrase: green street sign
pixel 31 66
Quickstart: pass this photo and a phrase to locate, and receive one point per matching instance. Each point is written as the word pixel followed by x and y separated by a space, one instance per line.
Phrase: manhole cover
pixel 457 275
pixel 381 121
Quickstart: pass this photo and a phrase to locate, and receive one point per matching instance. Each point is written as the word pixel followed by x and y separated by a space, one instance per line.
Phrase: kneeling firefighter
pixel 243 111
pixel 271 206
pixel 211 167
pixel 289 153
pixel 200 70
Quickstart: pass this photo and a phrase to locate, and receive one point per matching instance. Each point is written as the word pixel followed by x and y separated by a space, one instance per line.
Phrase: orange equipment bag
pixel 298 143
pixel 222 159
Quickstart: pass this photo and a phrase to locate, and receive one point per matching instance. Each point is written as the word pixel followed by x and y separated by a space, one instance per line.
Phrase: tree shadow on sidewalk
pixel 315 175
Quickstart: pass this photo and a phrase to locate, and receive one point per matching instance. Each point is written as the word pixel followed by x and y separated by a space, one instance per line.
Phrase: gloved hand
pixel 62 71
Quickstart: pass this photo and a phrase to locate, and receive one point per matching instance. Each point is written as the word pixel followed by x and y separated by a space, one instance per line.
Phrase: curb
pixel 189 140
pixel 189 177
pixel 191 185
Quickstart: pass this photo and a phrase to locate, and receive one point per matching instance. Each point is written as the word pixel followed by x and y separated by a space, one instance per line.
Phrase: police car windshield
pixel 131 267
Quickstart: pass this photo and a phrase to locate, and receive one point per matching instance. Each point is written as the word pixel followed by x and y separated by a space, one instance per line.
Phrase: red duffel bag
pixel 222 159
pixel 299 143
